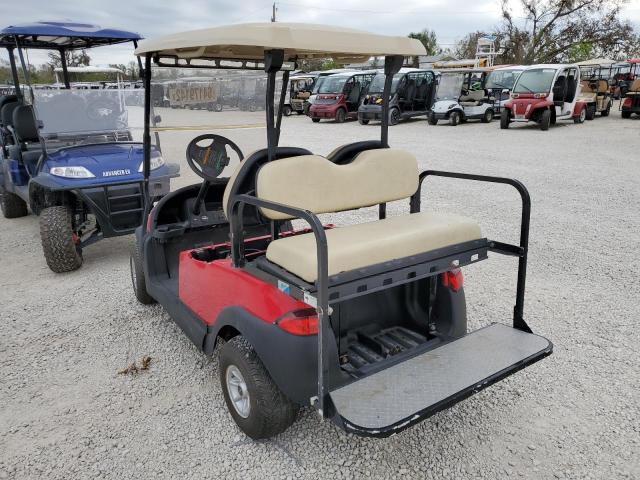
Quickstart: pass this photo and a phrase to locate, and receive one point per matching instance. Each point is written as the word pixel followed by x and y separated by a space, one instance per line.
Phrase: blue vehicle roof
pixel 67 35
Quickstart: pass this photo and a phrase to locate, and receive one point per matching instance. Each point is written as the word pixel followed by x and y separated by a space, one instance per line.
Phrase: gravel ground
pixel 67 413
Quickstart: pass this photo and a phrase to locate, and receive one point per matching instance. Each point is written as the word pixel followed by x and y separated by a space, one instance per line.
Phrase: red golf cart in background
pixel 338 96
pixel 545 94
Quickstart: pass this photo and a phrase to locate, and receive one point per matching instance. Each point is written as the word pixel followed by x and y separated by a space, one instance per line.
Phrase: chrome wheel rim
pixel 238 391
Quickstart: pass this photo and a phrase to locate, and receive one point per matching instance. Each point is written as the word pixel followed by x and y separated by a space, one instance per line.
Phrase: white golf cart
pixel 460 96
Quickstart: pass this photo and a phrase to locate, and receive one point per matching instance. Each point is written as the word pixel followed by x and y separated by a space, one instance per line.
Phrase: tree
pixel 429 40
pixel 557 30
pixel 74 58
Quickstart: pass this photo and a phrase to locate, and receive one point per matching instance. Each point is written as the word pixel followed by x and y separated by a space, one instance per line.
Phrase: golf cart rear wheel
pixel 286 110
pixel 217 107
pixel 12 205
pixel 394 116
pixel 137 276
pixel 454 118
pixel 626 114
pixel 363 121
pixel 505 119
pixel 59 242
pixel 487 117
pixel 315 120
pixel 590 112
pixel 606 111
pixel 341 115
pixel 545 120
pixel 255 402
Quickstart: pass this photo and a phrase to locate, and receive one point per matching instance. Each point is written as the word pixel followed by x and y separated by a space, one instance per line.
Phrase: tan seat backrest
pixel 635 86
pixel 473 96
pixel 586 86
pixel 316 184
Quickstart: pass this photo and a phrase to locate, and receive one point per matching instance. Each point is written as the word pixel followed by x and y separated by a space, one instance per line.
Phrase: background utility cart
pixel 367 322
pixel 68 153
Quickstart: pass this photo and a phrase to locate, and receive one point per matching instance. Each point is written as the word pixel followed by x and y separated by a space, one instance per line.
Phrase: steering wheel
pixel 207 155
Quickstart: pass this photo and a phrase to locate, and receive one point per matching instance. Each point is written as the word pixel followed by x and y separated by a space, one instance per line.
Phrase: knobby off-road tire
pixel 12 205
pixel 137 276
pixel 270 411
pixel 57 237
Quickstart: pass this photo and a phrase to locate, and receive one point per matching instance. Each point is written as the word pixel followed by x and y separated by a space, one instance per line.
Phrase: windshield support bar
pixel 65 72
pixel 283 94
pixel 140 73
pixel 392 65
pixel 14 71
pixel 146 137
pixel 273 60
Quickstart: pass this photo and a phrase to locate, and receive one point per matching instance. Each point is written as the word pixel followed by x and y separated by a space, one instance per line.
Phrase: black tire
pixel 363 121
pixel 590 112
pixel 137 276
pixel 505 119
pixel 341 115
pixel 606 111
pixel 432 119
pixel 270 411
pixel 626 114
pixel 582 117
pixel 315 120
pixel 394 116
pixel 454 118
pixel 12 206
pixel 57 236
pixel 217 107
pixel 545 120
pixel 286 110
pixel 488 116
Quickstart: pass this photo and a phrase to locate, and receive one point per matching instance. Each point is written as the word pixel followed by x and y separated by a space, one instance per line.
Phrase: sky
pixel 451 19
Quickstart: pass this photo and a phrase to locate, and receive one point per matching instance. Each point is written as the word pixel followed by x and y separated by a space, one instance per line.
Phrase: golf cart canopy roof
pixel 595 62
pixel 65 35
pixel 249 42
pixel 90 69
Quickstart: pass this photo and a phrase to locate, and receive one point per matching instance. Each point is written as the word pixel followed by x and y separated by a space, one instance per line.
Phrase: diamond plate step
pixel 403 394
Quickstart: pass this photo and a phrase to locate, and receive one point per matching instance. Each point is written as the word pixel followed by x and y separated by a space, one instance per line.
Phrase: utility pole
pixel 273 14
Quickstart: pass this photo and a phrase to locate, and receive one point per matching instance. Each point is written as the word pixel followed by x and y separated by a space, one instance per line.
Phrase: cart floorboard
pixel 388 401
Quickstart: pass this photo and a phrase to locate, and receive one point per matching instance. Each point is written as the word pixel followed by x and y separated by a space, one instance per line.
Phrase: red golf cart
pixel 365 323
pixel 545 94
pixel 338 96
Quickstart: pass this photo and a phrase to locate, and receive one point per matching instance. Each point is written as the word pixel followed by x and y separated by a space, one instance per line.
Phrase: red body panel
pixel 209 287
pixel 524 106
pixel 322 110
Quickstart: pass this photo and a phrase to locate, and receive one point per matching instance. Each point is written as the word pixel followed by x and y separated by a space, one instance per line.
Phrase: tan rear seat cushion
pixel 316 184
pixel 366 244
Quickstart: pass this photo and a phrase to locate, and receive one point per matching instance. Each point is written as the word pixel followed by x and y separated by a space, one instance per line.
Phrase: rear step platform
pixel 393 399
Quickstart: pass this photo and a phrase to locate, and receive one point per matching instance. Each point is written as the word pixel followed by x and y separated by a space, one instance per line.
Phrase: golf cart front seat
pixel 472 98
pixel 316 184
pixel 27 147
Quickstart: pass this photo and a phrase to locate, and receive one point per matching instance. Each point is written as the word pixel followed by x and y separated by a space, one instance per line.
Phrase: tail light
pixel 627 102
pixel 453 279
pixel 299 322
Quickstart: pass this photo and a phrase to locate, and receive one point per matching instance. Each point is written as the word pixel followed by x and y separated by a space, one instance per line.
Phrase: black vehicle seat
pixel 559 89
pixel 421 92
pixel 411 90
pixel 26 132
pixel 572 87
pixel 313 183
pixel 354 94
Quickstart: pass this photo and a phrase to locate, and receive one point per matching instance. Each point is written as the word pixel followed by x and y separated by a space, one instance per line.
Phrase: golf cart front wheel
pixel 137 276
pixel 286 110
pixel 315 120
pixel 590 112
pixel 545 120
pixel 394 116
pixel 626 114
pixel 60 244
pixel 12 205
pixel 255 402
pixel 363 121
pixel 581 117
pixel 454 118
pixel 341 115
pixel 432 119
pixel 487 117
pixel 505 119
